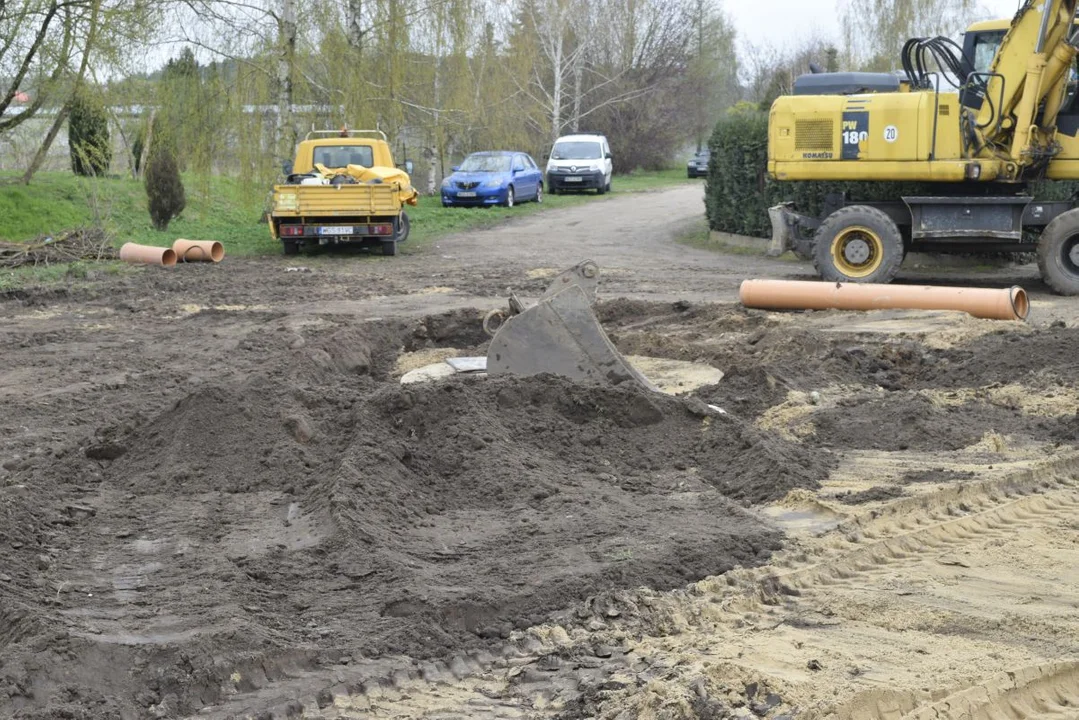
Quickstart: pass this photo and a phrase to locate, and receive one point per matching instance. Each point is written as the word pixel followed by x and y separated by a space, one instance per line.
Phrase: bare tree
pixel 50 46
pixel 61 116
pixel 874 32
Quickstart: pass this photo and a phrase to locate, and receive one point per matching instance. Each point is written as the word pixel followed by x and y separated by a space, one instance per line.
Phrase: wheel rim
pixel 509 198
pixel 857 251
pixel 1069 254
pixel 539 195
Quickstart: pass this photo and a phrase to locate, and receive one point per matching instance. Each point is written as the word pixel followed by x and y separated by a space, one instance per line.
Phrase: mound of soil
pixel 909 421
pixel 1046 356
pixel 409 519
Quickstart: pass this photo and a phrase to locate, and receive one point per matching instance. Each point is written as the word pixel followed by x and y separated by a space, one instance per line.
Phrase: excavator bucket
pixel 561 335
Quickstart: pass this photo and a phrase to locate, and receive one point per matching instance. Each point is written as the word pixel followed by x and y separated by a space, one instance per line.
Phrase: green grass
pixel 59 273
pixel 221 208
pixel 699 236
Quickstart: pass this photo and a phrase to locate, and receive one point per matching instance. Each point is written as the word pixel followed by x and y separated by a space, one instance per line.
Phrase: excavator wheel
pixel 1058 253
pixel 858 244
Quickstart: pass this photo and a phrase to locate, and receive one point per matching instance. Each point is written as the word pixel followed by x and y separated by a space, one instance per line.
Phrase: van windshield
pixel 338 156
pixel 576 150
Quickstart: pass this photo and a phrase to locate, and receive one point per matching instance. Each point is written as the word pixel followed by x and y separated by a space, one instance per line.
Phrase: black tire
pixel 858 244
pixel 552 189
pixel 510 197
pixel 1058 253
pixel 404 227
pixel 291 248
pixel 389 248
pixel 602 189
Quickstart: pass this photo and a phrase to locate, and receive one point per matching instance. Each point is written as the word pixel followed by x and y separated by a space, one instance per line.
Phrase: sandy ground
pixel 217 501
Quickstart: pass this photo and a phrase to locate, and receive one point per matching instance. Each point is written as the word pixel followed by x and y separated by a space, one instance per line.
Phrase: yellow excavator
pixel 972 125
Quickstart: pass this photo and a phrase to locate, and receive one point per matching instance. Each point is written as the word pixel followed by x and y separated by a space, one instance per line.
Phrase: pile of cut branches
pixel 69 246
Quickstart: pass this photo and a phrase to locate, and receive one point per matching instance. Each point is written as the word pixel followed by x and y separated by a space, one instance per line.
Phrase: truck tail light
pixel 291 230
pixel 382 229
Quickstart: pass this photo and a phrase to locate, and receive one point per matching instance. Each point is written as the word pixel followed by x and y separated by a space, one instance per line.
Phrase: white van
pixel 579 162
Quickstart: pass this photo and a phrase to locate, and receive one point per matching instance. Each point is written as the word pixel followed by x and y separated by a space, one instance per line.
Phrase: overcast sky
pixel 780 22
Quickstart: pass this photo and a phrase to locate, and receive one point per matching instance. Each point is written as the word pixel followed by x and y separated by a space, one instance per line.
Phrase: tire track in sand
pixel 957 603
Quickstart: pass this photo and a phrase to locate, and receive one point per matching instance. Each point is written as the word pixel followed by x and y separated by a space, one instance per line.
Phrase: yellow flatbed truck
pixel 342 188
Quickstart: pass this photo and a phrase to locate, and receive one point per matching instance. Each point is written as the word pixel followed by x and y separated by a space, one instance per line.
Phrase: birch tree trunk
pixel 578 75
pixel 284 135
pixel 556 90
pixel 354 20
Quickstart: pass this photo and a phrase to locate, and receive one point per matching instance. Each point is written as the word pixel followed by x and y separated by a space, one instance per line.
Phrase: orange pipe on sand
pixel 147 254
pixel 1005 304
pixel 198 250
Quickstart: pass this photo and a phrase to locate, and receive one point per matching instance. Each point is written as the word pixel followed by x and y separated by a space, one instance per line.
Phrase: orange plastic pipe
pixel 991 304
pixel 198 250
pixel 147 255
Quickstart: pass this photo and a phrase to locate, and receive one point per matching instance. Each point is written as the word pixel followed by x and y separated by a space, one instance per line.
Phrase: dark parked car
pixel 493 178
pixel 698 164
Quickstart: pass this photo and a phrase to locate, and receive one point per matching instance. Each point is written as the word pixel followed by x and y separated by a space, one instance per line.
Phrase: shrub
pixel 88 136
pixel 164 187
pixel 737 191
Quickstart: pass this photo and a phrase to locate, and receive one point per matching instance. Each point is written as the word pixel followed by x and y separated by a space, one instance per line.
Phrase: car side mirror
pixel 518 171
pixel 607 156
pixel 408 167
pixel 455 168
pixel 286 167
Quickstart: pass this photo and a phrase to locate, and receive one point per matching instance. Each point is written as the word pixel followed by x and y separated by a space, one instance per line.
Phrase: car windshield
pixel 486 163
pixel 703 155
pixel 338 156
pixel 576 150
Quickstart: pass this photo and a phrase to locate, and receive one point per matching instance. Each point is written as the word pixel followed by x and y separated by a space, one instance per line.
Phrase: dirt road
pixel 217 500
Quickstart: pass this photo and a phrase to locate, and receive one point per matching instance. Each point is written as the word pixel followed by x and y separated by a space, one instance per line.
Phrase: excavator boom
pixel 1029 73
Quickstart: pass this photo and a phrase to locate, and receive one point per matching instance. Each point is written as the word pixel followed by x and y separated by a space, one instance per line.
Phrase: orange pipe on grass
pixel 991 304
pixel 147 255
pixel 198 250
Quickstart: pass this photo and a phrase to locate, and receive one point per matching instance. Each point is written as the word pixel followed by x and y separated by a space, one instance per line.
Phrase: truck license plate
pixel 335 230
pixel 466 194
pixel 574 179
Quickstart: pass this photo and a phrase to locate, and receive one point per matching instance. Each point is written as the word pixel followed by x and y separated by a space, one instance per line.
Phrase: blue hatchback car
pixel 493 178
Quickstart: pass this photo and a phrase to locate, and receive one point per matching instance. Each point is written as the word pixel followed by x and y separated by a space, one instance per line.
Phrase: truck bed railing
pixel 344 133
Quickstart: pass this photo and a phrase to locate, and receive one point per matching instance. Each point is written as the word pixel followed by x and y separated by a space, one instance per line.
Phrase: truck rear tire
pixel 389 247
pixel 858 244
pixel 403 227
pixel 291 248
pixel 1058 253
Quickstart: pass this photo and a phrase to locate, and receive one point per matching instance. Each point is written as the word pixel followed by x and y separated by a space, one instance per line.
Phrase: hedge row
pixel 739 192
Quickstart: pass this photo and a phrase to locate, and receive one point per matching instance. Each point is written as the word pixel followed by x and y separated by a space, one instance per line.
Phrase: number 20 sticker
pixel 891 134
